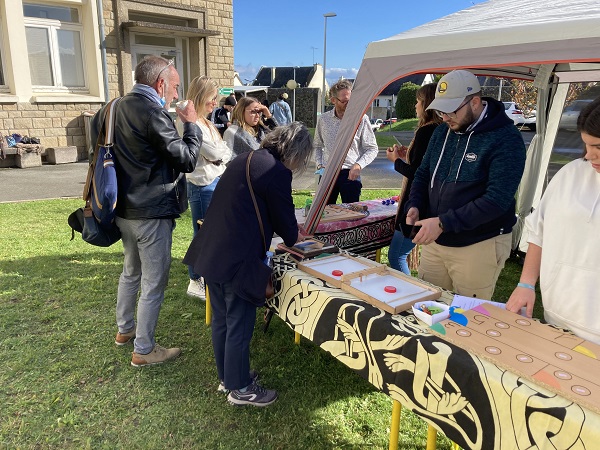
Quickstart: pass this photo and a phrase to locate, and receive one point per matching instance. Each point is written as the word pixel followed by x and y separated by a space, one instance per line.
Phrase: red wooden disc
pixel 337 273
pixel 390 289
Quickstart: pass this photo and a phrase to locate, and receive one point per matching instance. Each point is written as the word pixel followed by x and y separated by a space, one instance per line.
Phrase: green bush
pixel 405 104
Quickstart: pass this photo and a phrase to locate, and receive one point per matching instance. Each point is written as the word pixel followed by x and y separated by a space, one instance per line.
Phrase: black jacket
pixel 150 158
pixel 469 179
pixel 230 233
pixel 418 149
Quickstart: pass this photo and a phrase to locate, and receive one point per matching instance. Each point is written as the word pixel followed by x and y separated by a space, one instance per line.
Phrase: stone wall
pixel 307 102
pixel 62 124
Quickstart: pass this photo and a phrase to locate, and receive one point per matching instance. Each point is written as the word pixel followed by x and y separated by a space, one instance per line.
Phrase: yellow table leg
pixel 208 311
pixel 297 338
pixel 395 426
pixel 431 437
pixel 378 255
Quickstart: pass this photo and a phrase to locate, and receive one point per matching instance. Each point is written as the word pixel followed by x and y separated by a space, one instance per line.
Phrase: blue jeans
pixel 232 327
pixel 399 250
pixel 147 250
pixel 199 198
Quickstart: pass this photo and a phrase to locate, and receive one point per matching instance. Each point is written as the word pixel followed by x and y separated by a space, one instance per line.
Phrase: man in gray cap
pixel 221 117
pixel 462 200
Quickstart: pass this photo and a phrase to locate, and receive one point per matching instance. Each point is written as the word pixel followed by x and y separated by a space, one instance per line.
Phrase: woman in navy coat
pixel 229 250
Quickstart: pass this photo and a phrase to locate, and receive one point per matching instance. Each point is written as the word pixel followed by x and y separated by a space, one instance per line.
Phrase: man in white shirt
pixel 361 153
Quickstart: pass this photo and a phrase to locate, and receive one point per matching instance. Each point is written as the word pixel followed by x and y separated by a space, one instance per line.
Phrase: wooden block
pixel 367 280
pixel 61 155
pixel 563 363
pixel 26 160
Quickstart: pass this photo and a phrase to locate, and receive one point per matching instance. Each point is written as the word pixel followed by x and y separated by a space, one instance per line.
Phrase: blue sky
pixel 284 33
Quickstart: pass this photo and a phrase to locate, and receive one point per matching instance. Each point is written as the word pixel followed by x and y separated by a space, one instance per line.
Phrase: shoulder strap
pixel 107 133
pixel 260 224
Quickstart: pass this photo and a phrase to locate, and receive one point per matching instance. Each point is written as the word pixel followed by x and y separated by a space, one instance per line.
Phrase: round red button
pixel 337 273
pixel 389 289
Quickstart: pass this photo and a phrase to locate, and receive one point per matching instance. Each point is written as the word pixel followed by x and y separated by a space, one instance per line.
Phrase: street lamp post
pixel 326 15
pixel 294 92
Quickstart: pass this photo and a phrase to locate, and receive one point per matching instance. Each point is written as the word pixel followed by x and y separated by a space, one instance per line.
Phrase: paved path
pixel 67 180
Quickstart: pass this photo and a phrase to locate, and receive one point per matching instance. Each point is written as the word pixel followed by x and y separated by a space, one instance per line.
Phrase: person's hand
pixel 354 172
pixel 265 111
pixel 412 216
pixel 187 114
pixel 520 297
pixel 391 154
pixel 401 151
pixel 302 234
pixel 429 232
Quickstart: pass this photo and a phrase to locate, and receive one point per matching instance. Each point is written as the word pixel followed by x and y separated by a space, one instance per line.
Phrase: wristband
pixel 525 285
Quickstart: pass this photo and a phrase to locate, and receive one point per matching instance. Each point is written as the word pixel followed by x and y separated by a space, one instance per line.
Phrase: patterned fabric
pixel 362 236
pixel 472 401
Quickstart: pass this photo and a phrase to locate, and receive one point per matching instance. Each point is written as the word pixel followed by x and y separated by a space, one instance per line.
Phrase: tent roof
pixel 506 38
pixel 496 23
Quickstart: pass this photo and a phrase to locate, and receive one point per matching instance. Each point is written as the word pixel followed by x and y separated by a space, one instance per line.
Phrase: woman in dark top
pixel 230 244
pixel 406 161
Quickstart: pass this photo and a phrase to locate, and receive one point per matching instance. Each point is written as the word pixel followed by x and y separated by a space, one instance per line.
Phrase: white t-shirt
pixel 567 227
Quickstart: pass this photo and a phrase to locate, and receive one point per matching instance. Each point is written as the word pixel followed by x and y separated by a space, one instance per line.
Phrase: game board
pixel 334 213
pixel 561 362
pixel 375 283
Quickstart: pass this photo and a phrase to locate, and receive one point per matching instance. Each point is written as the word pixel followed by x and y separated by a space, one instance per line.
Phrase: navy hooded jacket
pixel 469 179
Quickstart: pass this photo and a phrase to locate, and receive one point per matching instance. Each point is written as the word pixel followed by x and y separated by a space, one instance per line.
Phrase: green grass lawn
pixel 64 384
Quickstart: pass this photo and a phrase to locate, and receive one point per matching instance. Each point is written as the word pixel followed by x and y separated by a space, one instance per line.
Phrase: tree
pixel 405 104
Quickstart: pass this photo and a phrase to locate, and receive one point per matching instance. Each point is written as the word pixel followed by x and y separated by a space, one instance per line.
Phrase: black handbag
pixel 253 281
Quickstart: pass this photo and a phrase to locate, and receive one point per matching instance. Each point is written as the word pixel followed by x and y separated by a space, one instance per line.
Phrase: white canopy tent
pixel 552 42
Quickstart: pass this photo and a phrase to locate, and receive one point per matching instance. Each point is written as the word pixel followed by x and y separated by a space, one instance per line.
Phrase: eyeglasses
pixel 254 112
pixel 452 115
pixel 343 102
pixel 170 63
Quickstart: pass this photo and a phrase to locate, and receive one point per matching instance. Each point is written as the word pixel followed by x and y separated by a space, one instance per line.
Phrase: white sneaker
pixel 196 289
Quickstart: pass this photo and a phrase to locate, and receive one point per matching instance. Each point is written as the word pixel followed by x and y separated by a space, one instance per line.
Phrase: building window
pixel 54 35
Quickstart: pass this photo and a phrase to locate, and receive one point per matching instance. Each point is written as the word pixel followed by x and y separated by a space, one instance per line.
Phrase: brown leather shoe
pixel 125 338
pixel 156 356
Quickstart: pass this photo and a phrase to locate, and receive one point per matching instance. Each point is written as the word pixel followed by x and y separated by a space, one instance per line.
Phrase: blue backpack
pixel 96 221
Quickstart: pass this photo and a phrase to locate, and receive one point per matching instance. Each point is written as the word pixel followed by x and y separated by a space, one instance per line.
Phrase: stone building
pixel 61 58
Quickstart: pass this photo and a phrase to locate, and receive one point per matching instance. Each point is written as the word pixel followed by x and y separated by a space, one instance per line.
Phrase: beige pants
pixel 471 271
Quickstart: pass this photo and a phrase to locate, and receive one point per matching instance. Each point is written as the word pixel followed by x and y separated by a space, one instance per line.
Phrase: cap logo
pixel 469 88
pixel 442 87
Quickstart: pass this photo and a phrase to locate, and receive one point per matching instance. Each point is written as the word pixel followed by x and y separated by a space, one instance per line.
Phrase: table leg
pixel 395 426
pixel 431 437
pixel 208 311
pixel 378 255
pixel 297 338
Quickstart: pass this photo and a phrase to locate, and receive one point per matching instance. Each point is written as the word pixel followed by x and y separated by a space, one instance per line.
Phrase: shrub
pixel 405 104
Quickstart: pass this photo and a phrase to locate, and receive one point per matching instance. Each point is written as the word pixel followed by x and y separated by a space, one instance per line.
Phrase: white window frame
pixel 53 26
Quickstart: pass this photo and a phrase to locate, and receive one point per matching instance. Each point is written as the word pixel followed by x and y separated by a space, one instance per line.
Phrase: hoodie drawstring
pixel 440 158
pixel 463 156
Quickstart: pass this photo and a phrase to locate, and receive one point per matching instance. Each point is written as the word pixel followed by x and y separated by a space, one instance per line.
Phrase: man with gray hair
pixel 361 153
pixel 150 160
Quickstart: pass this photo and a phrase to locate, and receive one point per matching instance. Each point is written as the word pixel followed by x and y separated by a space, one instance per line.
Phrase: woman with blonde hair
pixel 214 154
pixel 406 161
pixel 251 122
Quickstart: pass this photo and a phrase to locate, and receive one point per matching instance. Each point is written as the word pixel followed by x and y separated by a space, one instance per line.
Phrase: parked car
pixel 376 123
pixel 388 122
pixel 518 117
pixel 568 119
